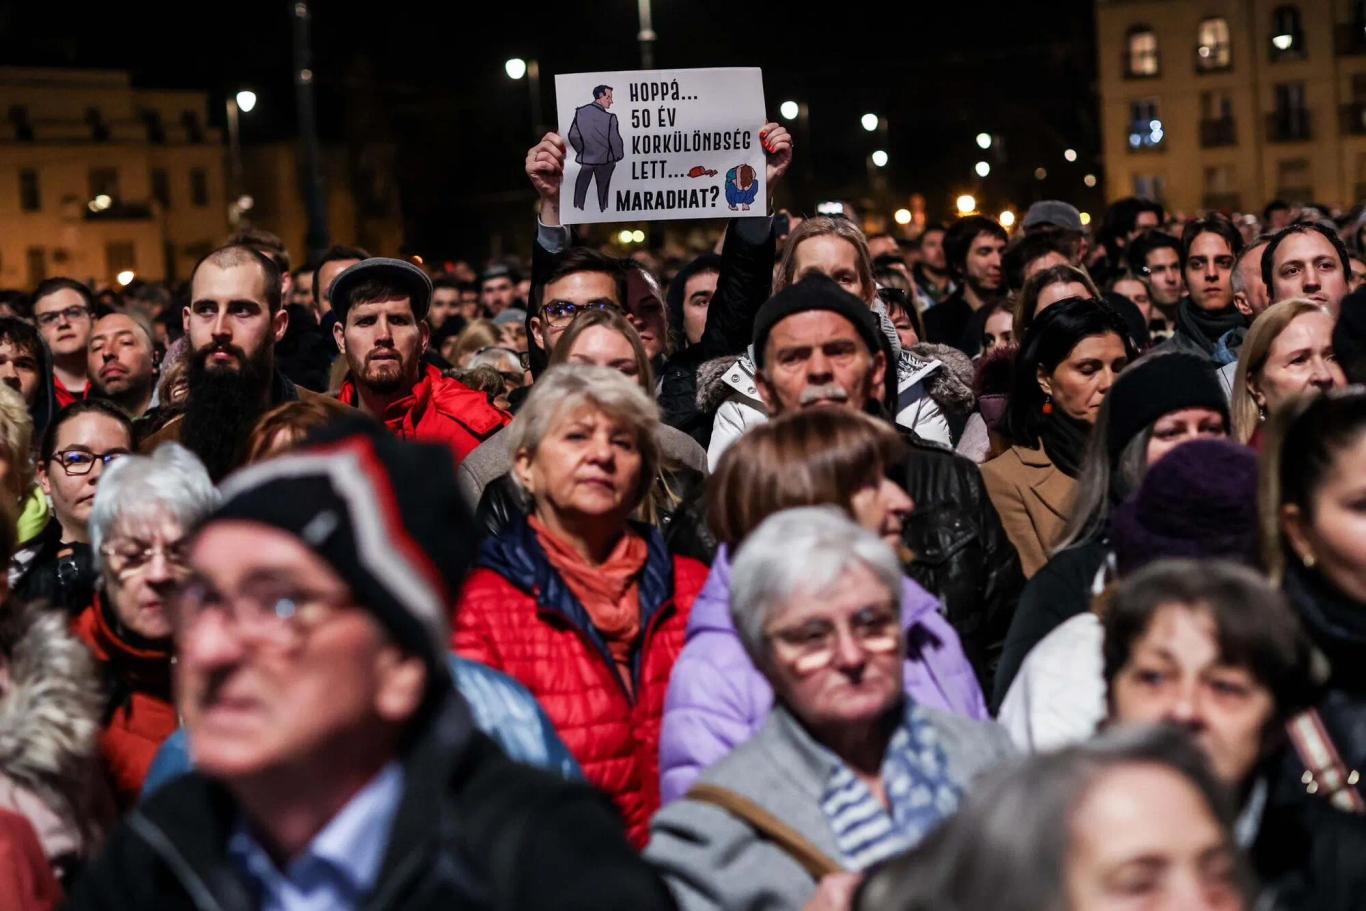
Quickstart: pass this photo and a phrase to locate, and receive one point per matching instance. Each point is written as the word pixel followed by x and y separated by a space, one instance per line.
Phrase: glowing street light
pixel 246 100
pixel 902 216
pixel 880 158
pixel 1283 41
pixel 982 168
pixel 1040 173
pixel 624 236
pixel 638 236
pixel 515 68
pixel 789 110
pixel 1086 218
pixel 1089 180
pixel 1006 218
pixel 125 278
pixel 983 140
pixel 1070 154
pixel 965 204
pixel 869 122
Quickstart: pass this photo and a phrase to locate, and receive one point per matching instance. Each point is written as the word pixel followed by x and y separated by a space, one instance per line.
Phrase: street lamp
pixel 982 168
pixel 1006 218
pixel 880 158
pixel 869 122
pixel 983 140
pixel 516 68
pixel 789 110
pixel 1070 154
pixel 902 216
pixel 966 204
pixel 1089 180
pixel 241 103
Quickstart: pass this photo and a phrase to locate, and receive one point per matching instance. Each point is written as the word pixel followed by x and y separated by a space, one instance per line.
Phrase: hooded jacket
pixel 518 616
pixel 717 699
pixel 439 410
pixel 141 711
pixel 474 830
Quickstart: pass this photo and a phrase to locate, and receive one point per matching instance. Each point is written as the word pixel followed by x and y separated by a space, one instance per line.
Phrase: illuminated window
pixel 1213 50
pixel 1287 35
pixel 1142 57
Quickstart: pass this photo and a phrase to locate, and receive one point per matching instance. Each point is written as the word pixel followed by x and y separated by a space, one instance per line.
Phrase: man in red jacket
pixel 381 306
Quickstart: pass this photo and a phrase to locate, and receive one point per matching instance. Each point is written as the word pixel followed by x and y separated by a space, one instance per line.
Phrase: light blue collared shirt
pixel 340 867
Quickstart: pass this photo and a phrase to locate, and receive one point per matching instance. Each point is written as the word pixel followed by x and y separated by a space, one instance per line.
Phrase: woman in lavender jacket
pixel 825 456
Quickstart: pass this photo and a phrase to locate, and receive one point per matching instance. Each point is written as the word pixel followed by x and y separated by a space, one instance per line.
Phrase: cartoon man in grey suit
pixel 597 146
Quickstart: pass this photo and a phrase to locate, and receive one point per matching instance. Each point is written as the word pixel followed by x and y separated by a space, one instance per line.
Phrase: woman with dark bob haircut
pixel 1069 359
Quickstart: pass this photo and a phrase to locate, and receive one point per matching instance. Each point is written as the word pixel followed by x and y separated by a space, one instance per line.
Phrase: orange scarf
pixel 609 592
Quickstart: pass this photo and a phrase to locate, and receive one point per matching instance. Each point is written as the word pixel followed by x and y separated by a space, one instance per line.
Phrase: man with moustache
pixel 381 307
pixel 233 321
pixel 122 363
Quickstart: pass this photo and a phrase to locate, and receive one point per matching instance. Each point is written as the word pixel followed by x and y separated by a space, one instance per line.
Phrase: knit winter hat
pixel 384 514
pixel 1156 386
pixel 1198 501
pixel 815 292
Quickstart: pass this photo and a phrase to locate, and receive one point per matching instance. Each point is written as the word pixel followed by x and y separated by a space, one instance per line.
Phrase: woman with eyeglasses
pixel 847 770
pixel 81 442
pixel 143 509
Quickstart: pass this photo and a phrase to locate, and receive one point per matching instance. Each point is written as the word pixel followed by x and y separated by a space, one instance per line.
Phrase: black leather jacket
pixel 960 551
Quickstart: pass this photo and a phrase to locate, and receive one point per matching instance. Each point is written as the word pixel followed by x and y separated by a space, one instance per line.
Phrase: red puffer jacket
pixel 517 615
pixel 141 712
pixel 439 410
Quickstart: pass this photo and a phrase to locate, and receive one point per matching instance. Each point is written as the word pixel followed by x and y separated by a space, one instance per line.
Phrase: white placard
pixel 651 145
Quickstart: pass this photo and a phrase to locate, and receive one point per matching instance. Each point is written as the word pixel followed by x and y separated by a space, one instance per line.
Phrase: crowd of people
pixel 822 571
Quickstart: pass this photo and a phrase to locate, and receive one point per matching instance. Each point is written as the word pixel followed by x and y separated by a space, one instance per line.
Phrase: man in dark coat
pixel 336 765
pixel 596 139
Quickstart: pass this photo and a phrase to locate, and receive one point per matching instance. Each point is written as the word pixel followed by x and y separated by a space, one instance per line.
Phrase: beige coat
pixel 1034 500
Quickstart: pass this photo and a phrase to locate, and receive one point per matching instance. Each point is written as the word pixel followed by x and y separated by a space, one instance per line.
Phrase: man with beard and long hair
pixel 233 321
pixel 381 330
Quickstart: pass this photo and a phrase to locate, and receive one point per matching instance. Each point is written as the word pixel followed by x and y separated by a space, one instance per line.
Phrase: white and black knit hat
pixel 384 514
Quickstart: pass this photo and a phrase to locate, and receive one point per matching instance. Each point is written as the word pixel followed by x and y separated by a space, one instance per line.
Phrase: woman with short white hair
pixel 847 770
pixel 579 603
pixel 144 508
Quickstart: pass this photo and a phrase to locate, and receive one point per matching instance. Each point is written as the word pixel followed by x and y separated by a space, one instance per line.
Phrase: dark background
pixel 430 79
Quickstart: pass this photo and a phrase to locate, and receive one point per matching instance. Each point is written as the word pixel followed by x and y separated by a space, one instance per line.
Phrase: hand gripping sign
pixel 661 144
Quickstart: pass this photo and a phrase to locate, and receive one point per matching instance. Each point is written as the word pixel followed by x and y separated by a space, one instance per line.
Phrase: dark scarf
pixel 1064 440
pixel 1206 327
pixel 1335 622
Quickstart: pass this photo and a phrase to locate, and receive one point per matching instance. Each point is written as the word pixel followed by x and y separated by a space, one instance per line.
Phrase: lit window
pixel 1213 50
pixel 1145 125
pixel 1142 52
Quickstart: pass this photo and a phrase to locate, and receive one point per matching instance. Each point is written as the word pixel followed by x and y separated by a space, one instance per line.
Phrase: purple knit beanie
pixel 1198 501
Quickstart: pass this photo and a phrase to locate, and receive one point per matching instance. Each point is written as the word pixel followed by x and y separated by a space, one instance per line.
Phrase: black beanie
pixel 815 292
pixel 384 514
pixel 1159 385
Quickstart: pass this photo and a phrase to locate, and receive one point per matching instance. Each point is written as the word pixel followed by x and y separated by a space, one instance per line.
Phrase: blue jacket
pixel 502 709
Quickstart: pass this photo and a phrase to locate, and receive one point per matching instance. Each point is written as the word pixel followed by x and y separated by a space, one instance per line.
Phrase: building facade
pixel 99 179
pixel 1228 104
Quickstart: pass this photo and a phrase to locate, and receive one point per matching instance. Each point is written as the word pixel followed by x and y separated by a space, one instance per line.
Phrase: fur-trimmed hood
pixel 50 704
pixel 950 387
pixel 712 388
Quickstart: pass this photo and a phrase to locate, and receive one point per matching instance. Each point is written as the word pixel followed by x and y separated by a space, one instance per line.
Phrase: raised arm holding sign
pixel 686 141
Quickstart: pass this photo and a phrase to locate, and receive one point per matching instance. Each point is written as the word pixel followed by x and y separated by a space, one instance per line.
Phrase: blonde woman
pixel 1288 354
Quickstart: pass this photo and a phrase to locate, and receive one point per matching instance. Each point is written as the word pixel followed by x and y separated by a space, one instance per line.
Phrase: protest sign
pixel 651 145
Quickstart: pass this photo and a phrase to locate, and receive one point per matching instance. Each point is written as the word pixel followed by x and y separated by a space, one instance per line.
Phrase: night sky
pixel 430 78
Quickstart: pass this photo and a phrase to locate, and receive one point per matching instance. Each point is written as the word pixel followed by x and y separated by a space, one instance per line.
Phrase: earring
pixel 1047 404
pixel 1309 561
